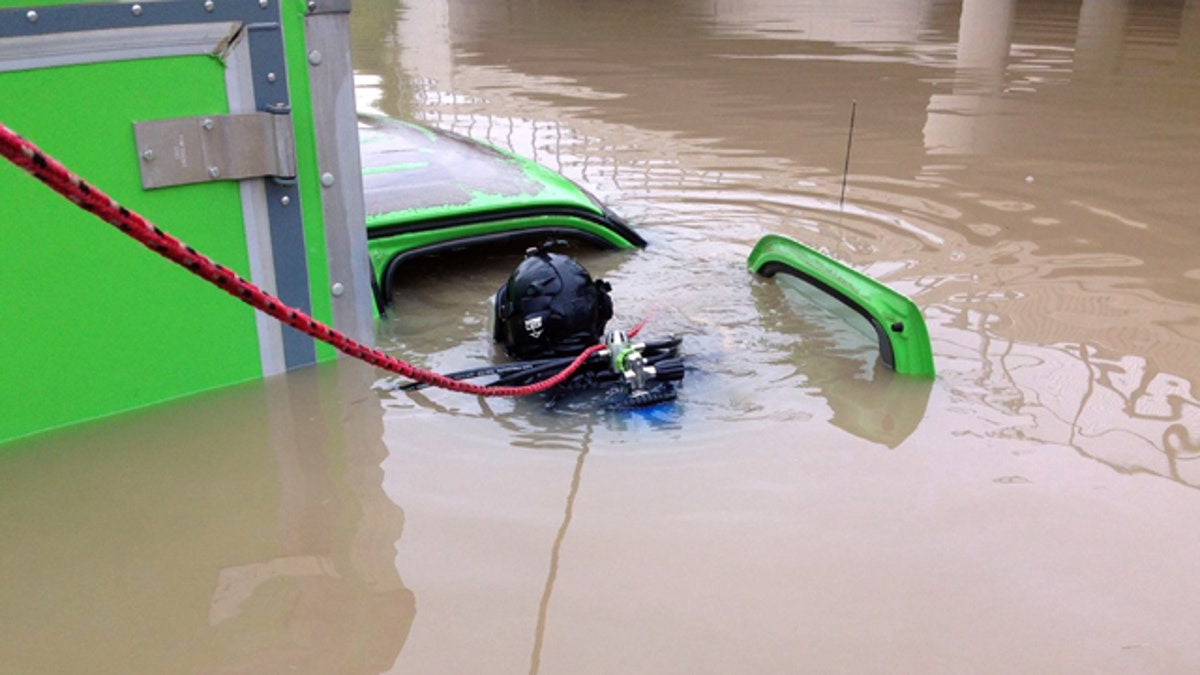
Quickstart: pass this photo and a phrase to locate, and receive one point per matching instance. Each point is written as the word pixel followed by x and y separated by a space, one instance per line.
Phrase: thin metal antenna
pixel 849 142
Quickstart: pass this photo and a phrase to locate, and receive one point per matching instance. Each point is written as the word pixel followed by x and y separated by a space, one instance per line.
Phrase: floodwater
pixel 1026 171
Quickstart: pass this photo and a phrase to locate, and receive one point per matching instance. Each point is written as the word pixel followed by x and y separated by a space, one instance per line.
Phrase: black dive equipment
pixel 548 312
pixel 550 306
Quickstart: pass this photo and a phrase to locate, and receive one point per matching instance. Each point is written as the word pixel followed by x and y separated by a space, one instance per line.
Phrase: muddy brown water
pixel 1026 171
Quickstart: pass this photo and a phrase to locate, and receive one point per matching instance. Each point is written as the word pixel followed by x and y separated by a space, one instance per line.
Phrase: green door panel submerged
pixel 92 323
pixel 903 338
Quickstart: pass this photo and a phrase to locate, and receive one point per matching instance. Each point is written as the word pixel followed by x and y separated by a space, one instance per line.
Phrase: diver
pixel 549 312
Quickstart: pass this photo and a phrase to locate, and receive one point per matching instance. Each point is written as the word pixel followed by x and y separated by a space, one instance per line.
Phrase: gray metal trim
pixel 91 16
pixel 239 90
pixel 290 259
pixel 331 79
pixel 255 215
pixel 79 47
pixel 284 208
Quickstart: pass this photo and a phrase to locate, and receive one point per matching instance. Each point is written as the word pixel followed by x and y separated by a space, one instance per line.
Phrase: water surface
pixel 1024 170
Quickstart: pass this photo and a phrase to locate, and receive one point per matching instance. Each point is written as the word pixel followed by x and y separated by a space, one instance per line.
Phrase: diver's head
pixel 550 306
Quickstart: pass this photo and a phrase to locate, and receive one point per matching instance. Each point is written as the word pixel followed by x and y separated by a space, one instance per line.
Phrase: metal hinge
pixel 328 6
pixel 189 150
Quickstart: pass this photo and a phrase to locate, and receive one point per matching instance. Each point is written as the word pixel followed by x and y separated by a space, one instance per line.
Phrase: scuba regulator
pixel 646 384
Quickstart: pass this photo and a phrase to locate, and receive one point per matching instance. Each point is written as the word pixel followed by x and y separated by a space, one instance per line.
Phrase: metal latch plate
pixel 188 150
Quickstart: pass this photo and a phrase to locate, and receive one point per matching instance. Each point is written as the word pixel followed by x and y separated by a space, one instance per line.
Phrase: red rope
pixel 27 156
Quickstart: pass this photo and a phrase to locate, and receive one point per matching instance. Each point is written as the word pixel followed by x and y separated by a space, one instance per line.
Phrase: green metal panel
pixel 92 323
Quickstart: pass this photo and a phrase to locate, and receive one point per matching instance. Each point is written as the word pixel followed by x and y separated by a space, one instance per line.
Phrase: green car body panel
pixel 903 337
pixel 428 191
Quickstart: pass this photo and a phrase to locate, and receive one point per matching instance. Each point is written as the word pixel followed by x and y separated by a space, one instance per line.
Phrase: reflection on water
pixel 556 555
pixel 814 332
pixel 243 532
pixel 963 122
pixel 1023 169
pixel 1122 411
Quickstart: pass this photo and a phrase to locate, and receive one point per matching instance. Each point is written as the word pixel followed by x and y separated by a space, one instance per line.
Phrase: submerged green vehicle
pixel 429 191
